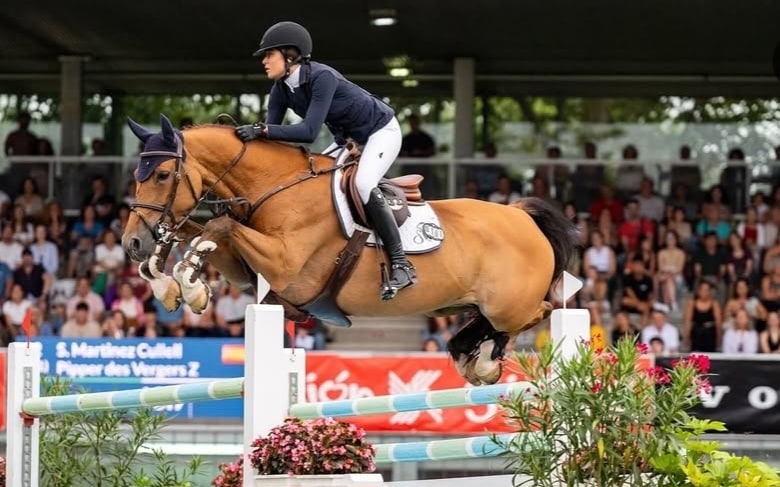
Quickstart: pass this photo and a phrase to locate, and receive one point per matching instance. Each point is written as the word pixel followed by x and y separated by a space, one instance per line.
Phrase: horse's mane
pixel 220 127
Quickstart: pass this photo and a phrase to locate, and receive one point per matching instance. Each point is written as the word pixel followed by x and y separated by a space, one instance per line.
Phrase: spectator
pixel 770 338
pixel 230 310
pixel 657 346
pixel 752 232
pixel 629 173
pixel 10 249
pixel 35 281
pixel 22 142
pixel 56 225
pixel 742 338
pixel 637 291
pixel 715 198
pixel 417 143
pixel 168 322
pixel 431 345
pixel 609 202
pixel 608 229
pixel 87 225
pixel 739 259
pixel 671 264
pixel 81 325
pixel 84 293
pixel 115 326
pixel 742 298
pixel 703 325
pixel 109 258
pixel 45 252
pixel 81 260
pixel 132 307
pixel 712 223
pixel 634 227
pixel 709 262
pixel 30 198
pixel 622 328
pixel 585 183
pixel 602 258
pixel 770 290
pixel 199 325
pixel 16 307
pixel 23 229
pixel 660 327
pixel 504 194
pixel 651 206
pixel 680 198
pixel 7 334
pixel 6 280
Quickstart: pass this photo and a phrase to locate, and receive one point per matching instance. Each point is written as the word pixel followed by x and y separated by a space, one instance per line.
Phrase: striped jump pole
pixel 275 379
pixel 417 401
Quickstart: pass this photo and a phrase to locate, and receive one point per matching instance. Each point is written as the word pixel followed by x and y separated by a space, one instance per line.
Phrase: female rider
pixel 321 95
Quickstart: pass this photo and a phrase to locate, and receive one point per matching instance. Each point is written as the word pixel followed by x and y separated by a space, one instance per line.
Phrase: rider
pixel 320 94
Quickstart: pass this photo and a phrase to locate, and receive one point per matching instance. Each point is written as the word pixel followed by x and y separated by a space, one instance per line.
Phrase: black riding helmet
pixel 286 34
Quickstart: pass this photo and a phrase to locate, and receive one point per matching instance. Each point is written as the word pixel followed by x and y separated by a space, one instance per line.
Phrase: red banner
pixel 3 396
pixel 332 377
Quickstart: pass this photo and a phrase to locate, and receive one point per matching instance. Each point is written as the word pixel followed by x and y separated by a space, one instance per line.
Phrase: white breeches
pixel 378 155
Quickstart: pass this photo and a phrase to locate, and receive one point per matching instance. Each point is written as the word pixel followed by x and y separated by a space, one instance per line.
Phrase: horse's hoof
pixel 465 367
pixel 489 376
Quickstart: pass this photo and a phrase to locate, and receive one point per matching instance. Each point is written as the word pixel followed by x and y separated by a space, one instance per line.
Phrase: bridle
pixel 164 233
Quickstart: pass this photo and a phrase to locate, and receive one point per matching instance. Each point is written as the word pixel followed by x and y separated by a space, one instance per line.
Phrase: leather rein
pixel 164 233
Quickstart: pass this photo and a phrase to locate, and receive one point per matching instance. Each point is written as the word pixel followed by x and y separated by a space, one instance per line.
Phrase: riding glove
pixel 251 132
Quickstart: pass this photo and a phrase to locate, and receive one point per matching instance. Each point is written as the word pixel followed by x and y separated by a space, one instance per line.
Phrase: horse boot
pixel 402 272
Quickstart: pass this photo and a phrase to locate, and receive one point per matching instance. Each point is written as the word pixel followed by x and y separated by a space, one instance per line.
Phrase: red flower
pixel 596 387
pixel 659 375
pixel 642 348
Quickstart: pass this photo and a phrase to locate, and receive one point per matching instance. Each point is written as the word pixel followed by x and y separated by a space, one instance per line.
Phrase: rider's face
pixel 273 61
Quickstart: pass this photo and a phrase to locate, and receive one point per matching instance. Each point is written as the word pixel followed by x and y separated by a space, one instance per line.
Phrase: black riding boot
pixel 402 273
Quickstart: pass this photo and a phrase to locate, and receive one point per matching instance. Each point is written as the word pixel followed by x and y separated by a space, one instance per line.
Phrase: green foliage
pixel 105 448
pixel 601 419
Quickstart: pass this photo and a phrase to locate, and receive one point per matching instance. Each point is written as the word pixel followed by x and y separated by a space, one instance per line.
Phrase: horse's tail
pixel 558 229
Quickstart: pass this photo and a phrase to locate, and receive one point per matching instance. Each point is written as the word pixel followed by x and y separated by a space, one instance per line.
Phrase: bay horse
pixel 497 261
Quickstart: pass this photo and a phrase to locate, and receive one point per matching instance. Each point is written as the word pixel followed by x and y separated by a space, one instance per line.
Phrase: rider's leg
pixel 378 155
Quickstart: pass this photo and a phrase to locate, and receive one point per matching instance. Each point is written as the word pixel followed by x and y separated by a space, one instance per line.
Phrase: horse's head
pixel 166 194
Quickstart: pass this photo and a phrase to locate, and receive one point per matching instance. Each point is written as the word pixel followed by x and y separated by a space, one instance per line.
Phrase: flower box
pixel 342 480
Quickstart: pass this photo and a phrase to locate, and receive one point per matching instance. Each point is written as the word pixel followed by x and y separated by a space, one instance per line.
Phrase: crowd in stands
pixel 683 272
pixel 688 271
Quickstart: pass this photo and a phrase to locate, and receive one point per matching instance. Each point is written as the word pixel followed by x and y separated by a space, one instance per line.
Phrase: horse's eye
pixel 163 176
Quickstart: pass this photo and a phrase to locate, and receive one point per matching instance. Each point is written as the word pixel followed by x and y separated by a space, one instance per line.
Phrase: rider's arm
pixel 322 90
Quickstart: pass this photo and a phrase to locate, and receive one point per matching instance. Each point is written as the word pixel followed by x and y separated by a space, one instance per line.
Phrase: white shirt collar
pixel 294 80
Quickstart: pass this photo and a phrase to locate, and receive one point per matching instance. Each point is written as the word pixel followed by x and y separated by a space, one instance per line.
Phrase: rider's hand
pixel 251 132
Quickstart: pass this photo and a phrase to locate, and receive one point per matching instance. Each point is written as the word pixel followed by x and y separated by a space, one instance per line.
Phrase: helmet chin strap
pixel 289 64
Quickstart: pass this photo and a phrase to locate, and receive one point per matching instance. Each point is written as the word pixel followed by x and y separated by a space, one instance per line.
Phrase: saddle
pixel 400 192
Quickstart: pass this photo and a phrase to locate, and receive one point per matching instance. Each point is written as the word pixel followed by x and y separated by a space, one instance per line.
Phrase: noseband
pixel 163 231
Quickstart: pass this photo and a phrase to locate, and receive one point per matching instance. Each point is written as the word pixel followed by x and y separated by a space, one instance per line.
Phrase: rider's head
pixel 284 45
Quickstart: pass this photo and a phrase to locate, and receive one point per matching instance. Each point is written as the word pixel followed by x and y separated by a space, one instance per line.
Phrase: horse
pixel 277 219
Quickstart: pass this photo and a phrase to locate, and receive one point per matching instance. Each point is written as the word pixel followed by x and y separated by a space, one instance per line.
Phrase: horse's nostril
pixel 134 243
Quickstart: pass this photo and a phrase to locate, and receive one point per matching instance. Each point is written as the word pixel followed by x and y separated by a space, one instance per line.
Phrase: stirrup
pixel 389 290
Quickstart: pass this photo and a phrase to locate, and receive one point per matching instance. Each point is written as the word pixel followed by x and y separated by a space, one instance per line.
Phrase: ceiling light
pixel 399 72
pixel 410 83
pixel 384 21
pixel 383 17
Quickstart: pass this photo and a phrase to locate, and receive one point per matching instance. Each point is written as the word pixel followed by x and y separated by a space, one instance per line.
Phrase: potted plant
pixel 317 452
pixel 606 418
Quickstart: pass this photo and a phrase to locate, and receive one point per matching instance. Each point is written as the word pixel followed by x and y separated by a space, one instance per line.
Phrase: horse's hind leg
pixel 476 348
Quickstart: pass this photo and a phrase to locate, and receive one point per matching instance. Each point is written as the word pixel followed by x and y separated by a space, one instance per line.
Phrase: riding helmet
pixel 284 34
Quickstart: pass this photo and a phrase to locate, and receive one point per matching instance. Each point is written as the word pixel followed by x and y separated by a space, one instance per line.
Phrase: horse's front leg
pixel 195 292
pixel 231 247
pixel 164 287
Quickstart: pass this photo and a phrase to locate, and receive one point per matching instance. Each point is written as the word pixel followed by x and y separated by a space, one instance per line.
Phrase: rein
pixel 163 234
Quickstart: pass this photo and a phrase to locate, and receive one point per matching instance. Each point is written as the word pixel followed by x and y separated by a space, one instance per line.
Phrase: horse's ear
pixel 167 129
pixel 138 130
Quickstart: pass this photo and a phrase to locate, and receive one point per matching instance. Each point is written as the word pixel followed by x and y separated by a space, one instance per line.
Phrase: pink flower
pixel 642 348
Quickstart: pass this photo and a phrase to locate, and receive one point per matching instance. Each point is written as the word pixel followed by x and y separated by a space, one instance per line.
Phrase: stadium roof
pixel 551 47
